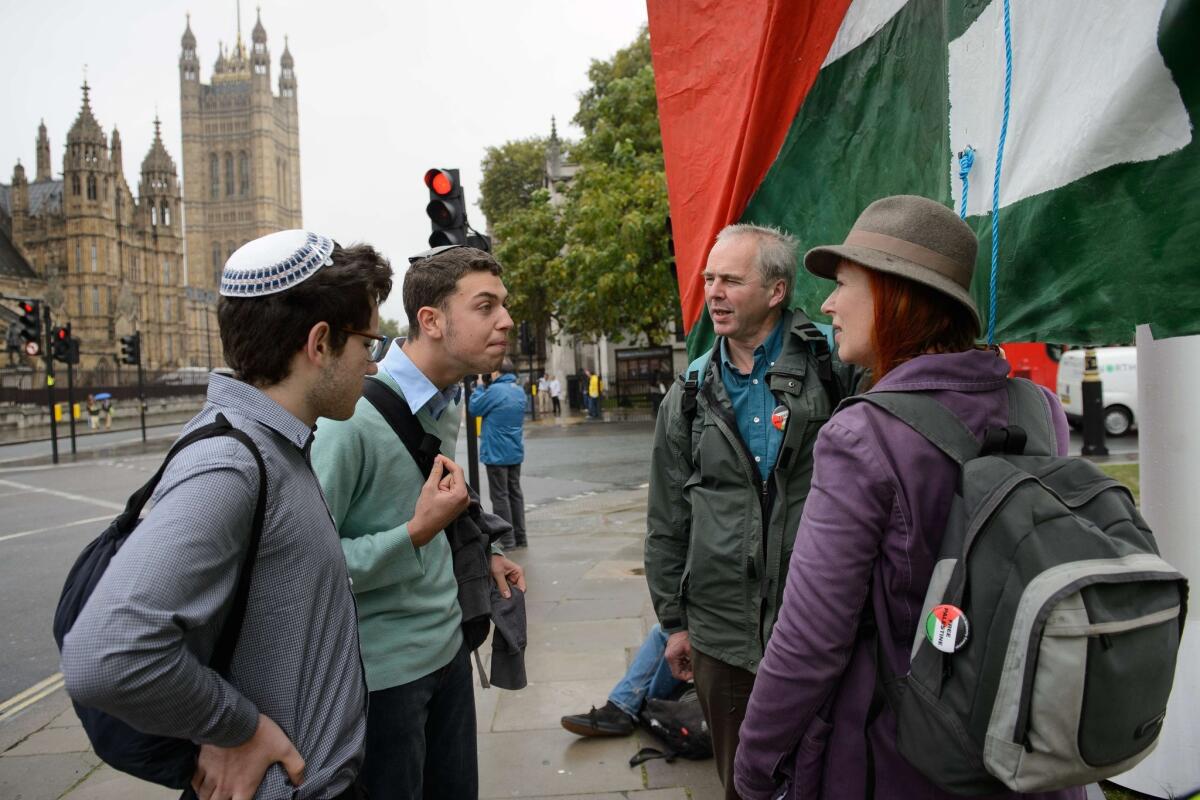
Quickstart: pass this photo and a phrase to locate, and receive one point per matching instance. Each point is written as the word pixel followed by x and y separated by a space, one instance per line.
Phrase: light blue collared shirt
pixel 752 400
pixel 418 390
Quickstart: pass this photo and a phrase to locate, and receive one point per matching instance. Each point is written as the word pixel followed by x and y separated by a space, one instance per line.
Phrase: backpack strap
pixel 928 417
pixel 692 382
pixel 222 655
pixel 1027 409
pixel 421 445
pixel 819 346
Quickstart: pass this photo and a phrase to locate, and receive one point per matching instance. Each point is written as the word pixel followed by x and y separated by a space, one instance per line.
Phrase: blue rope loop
pixel 992 288
pixel 966 160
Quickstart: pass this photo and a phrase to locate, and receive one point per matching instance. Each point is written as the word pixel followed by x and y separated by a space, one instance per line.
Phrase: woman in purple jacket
pixel 876 512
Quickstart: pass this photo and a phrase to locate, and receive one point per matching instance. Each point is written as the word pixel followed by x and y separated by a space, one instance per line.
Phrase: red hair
pixel 912 319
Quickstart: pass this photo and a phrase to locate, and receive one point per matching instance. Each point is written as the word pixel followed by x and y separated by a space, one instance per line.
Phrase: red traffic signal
pixel 447 209
pixel 440 182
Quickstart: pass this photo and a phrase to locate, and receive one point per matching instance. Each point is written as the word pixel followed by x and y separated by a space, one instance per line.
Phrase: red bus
pixel 1036 361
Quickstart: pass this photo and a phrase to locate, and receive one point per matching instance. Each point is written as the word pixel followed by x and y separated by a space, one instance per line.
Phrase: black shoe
pixel 606 721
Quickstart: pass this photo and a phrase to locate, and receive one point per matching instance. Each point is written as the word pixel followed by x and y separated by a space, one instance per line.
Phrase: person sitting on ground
pixel 649 675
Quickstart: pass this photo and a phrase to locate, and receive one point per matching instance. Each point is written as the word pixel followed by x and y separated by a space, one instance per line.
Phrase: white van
pixel 1118 376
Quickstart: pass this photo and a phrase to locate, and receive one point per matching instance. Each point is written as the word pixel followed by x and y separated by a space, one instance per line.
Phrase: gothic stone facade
pixel 106 261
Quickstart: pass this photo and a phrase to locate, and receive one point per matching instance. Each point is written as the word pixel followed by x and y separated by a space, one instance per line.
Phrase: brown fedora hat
pixel 914 237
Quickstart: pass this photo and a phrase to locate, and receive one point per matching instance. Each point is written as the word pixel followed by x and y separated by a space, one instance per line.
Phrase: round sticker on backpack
pixel 947 628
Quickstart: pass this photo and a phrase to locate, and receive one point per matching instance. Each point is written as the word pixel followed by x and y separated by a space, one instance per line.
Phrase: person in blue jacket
pixel 501 405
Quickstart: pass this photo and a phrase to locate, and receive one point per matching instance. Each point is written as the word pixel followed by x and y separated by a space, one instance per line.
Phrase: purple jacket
pixel 875 516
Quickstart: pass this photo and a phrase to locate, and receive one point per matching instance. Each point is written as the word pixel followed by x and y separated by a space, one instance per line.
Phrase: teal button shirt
pixel 753 402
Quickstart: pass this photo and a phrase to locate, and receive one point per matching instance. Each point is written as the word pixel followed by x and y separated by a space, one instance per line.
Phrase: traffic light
pixel 131 348
pixel 447 209
pixel 60 342
pixel 525 337
pixel 30 326
pixel 64 346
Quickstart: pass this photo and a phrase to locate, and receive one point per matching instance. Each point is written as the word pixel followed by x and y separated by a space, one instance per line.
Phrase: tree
pixel 512 173
pixel 616 266
pixel 528 244
pixel 392 329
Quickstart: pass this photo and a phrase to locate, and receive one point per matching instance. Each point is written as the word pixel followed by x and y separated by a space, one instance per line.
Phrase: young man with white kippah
pixel 421 740
pixel 299 318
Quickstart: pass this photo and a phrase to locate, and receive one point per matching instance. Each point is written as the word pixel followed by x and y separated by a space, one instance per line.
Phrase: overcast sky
pixel 386 89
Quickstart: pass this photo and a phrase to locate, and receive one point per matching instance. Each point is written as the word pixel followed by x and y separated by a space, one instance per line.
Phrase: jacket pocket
pixel 810 759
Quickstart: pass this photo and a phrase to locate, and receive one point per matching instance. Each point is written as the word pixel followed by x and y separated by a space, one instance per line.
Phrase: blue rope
pixel 966 160
pixel 992 290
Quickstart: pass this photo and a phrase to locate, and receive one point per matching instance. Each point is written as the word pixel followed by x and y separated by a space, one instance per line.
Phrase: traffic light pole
pixel 49 355
pixel 472 439
pixel 1092 397
pixel 141 389
pixel 70 391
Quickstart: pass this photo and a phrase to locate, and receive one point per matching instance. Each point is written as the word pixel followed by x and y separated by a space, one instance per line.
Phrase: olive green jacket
pixel 713 568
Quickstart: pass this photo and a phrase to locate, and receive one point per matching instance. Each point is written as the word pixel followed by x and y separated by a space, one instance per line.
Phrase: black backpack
pixel 159 759
pixel 1050 627
pixel 679 724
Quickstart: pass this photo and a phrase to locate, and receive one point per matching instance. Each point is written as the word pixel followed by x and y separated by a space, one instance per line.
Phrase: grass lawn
pixel 1126 474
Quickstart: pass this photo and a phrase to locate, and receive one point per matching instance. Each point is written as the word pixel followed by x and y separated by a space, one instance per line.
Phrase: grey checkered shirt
pixel 139 649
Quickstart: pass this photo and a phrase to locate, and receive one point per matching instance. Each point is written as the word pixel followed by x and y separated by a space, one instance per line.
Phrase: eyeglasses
pixel 379 344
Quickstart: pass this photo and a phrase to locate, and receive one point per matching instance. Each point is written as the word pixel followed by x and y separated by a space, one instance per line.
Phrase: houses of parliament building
pixel 111 262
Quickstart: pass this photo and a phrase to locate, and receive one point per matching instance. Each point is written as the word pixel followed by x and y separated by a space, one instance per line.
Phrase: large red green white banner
pixel 798 113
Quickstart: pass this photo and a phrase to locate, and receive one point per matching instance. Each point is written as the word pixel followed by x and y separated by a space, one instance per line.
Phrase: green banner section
pixel 1081 264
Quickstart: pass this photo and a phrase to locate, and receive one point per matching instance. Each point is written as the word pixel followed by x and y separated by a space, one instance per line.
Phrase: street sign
pixel 32 348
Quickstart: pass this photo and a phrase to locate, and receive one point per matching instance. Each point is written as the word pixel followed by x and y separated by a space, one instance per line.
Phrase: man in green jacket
pixel 730 470
pixel 421 717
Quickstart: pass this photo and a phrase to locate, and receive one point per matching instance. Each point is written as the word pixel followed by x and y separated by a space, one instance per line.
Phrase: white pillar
pixel 1169 452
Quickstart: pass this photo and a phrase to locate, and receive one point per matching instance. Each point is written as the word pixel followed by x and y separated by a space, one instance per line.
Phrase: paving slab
pixel 43 777
pixel 591 636
pixel 542 705
pixel 579 610
pixel 48 741
pixel 108 784
pixel 550 763
pixel 608 665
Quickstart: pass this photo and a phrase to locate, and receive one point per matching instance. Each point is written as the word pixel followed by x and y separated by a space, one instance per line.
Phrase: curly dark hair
pixel 260 335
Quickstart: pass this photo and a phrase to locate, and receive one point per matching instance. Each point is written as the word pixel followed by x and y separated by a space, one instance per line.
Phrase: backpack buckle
pixel 1009 441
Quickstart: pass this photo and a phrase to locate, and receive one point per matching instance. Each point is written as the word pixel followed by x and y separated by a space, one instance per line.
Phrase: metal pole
pixel 70 390
pixel 472 439
pixel 50 385
pixel 1092 398
pixel 141 386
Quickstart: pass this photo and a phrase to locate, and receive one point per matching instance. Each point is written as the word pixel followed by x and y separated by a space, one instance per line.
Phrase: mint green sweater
pixel 408 615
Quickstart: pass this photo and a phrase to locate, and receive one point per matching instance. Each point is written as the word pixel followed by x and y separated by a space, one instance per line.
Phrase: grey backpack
pixel 1050 628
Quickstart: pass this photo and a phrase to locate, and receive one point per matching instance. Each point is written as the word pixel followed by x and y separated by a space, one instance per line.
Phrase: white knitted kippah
pixel 274 262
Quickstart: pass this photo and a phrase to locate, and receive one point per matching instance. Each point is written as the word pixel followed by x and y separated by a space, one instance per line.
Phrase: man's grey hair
pixel 776 254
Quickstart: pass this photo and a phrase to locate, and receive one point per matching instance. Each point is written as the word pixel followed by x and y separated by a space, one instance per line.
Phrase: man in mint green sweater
pixel 421 718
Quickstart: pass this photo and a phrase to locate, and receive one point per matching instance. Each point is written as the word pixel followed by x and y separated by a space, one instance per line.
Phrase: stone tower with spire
pixel 110 262
pixel 241 152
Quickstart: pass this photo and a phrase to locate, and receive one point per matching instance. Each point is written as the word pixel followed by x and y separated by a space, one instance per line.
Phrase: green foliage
pixel 391 328
pixel 512 173
pixel 528 243
pixel 597 262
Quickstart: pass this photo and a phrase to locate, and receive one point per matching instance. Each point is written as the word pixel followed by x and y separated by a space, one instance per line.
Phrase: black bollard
pixel 1092 397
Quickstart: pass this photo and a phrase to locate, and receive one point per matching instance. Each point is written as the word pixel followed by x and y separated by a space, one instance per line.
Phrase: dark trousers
pixel 724 692
pixel 421 737
pixel 508 501
pixel 557 406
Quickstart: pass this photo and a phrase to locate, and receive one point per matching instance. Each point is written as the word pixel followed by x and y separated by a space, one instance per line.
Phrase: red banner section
pixel 730 78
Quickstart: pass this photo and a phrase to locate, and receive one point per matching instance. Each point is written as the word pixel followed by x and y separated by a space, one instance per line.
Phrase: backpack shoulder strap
pixel 222 656
pixel 927 417
pixel 818 345
pixel 1027 408
pixel 421 445
pixel 693 379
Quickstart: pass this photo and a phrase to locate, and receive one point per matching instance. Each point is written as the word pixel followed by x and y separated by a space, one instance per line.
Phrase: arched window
pixel 228 174
pixel 214 176
pixel 229 248
pixel 106 188
pixel 166 214
pixel 75 185
pixel 243 174
pixel 153 214
pixel 166 272
pixel 91 186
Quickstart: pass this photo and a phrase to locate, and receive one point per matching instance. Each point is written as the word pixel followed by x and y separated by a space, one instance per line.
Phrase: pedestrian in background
pixel 500 403
pixel 543 394
pixel 93 412
pixel 106 406
pixel 593 394
pixel 556 394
